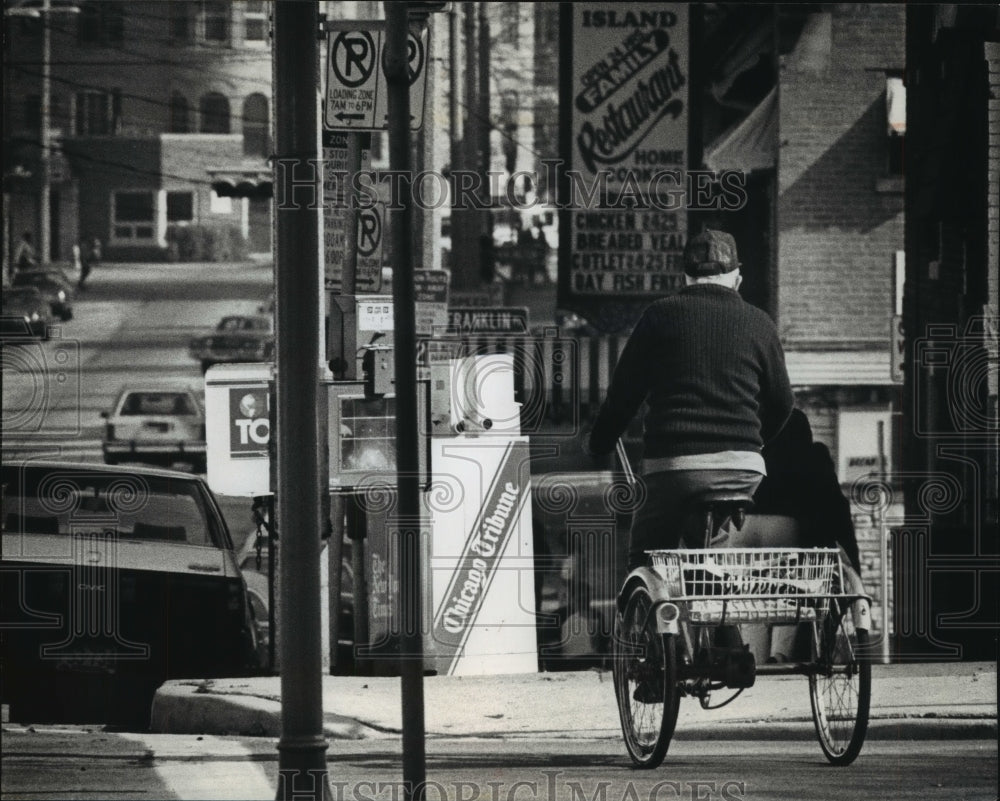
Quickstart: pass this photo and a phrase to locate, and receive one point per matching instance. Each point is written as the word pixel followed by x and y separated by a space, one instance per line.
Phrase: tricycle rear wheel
pixel 644 666
pixel 841 686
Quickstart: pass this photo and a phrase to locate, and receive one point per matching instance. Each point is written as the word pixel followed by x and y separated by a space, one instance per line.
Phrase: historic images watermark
pixel 549 786
pixel 650 186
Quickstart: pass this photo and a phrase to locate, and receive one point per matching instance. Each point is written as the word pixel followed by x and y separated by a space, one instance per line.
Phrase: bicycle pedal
pixel 648 692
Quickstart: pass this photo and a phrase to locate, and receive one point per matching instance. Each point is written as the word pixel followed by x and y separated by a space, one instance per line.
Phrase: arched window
pixel 180 114
pixel 214 110
pixel 256 126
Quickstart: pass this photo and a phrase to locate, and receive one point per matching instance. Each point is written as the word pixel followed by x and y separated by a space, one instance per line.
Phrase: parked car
pixel 114 580
pixel 156 423
pixel 55 287
pixel 236 339
pixel 25 314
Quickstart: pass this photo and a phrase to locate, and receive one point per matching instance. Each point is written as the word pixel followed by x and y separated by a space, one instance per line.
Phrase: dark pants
pixel 666 515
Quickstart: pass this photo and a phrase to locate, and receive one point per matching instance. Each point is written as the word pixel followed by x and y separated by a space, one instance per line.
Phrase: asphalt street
pixel 77 763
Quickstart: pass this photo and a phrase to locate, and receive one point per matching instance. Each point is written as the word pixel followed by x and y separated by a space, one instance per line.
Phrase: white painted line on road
pixel 206 767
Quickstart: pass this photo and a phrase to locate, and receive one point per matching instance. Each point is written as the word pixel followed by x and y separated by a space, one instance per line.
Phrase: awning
pixel 839 368
pixel 239 182
pixel 752 144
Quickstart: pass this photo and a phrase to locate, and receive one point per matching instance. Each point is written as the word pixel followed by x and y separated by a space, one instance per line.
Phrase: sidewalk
pixel 909 701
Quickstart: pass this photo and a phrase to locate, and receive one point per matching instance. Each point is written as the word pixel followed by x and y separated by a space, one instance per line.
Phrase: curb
pixel 191 709
pixel 188 708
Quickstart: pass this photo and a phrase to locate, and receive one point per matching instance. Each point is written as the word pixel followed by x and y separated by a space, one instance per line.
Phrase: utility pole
pixel 45 139
pixel 407 426
pixel 302 771
pixel 485 217
pixel 465 234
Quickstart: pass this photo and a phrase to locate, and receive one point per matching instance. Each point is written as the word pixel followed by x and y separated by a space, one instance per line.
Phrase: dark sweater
pixel 713 373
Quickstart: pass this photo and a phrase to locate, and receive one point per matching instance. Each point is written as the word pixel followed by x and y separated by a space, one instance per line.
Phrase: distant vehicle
pixel 235 339
pixel 157 424
pixel 55 287
pixel 114 580
pixel 25 314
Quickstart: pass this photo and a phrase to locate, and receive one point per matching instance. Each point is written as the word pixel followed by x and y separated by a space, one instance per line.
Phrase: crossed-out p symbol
pixel 369 231
pixel 352 57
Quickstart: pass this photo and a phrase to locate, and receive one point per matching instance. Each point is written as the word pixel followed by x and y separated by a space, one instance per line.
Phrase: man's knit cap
pixel 710 253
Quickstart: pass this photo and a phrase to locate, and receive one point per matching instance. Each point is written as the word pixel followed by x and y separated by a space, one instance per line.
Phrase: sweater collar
pixel 709 289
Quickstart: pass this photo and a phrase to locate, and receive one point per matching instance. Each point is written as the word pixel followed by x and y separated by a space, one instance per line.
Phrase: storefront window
pixel 134 216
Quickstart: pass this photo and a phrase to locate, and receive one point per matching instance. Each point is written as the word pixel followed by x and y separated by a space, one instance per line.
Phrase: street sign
pixel 430 291
pixel 370 221
pixel 496 320
pixel 356 88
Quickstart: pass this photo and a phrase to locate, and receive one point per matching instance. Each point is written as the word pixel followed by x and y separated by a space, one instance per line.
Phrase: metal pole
pixel 454 109
pixel 348 286
pixel 883 536
pixel 45 140
pixel 464 220
pixel 302 771
pixel 408 487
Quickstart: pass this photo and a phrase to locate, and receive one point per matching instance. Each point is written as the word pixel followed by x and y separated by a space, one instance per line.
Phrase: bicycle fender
pixel 667 613
pixel 863 614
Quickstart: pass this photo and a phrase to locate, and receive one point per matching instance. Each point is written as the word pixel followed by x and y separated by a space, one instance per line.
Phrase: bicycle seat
pixel 724 505
pixel 723 498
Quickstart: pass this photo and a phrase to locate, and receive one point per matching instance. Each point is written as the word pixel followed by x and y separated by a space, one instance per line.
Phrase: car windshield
pixel 64 501
pixel 242 324
pixel 158 403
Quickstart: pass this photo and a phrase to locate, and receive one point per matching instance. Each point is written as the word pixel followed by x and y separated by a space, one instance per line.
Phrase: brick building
pixel 840 242
pixel 150 104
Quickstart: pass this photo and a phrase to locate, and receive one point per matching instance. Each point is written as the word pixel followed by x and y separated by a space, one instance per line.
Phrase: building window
pixel 220 205
pixel 180 114
pixel 895 108
pixel 256 126
pixel 547 22
pixel 254 21
pixel 214 112
pixel 59 119
pixel 510 24
pixel 214 22
pixel 180 207
pixel 101 23
pixel 134 217
pixel 180 22
pixel 97 113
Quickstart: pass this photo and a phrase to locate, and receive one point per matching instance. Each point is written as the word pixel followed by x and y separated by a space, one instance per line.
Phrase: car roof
pixel 158 389
pixel 96 467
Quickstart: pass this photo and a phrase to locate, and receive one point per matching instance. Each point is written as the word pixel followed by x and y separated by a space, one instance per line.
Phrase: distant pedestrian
pixel 90 254
pixel 25 255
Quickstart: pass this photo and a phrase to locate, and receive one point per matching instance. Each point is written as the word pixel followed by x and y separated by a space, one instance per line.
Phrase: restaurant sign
pixel 626 153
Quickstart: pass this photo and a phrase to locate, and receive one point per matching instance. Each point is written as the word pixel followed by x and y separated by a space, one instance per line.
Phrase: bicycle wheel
pixel 840 691
pixel 645 677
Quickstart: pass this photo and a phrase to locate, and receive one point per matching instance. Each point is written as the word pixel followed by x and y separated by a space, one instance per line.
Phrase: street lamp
pixel 43 9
